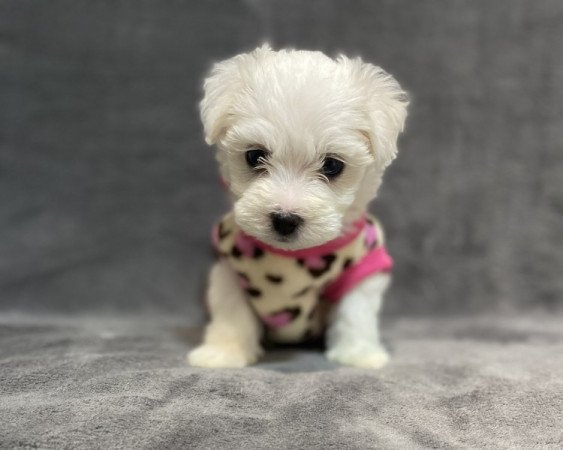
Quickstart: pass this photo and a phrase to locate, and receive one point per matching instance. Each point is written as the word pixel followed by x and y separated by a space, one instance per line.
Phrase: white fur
pixel 353 334
pixel 232 337
pixel 301 106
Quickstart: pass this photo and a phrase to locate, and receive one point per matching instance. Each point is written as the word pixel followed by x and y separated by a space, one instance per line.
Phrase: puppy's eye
pixel 255 157
pixel 332 167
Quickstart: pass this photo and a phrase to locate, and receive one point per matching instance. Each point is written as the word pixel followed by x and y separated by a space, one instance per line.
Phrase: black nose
pixel 285 223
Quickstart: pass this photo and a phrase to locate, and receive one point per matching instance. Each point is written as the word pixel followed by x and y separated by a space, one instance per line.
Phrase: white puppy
pixel 303 141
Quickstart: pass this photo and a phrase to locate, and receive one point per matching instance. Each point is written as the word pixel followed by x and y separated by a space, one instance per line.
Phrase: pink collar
pixel 319 250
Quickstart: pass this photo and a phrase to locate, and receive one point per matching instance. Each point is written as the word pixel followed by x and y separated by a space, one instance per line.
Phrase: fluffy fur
pixel 302 107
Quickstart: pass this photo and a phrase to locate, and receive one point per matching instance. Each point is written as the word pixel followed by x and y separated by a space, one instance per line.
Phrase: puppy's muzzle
pixel 285 223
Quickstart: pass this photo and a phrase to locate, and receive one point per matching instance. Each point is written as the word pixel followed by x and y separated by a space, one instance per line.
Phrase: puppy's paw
pixel 216 356
pixel 365 357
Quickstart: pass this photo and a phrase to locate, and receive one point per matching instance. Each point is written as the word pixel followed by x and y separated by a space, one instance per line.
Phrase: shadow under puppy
pixel 302 143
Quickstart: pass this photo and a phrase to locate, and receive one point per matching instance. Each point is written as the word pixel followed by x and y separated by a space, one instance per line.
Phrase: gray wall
pixel 107 191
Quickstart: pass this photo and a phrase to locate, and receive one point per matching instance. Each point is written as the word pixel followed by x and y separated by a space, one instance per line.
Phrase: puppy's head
pixel 302 140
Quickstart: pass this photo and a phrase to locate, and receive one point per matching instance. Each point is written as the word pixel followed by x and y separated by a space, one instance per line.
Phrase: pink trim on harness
pixel 377 260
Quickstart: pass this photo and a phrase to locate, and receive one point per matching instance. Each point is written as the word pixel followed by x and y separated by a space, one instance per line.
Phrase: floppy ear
pixel 385 106
pixel 219 89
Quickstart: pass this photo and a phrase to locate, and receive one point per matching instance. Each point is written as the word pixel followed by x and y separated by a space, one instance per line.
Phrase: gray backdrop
pixel 107 191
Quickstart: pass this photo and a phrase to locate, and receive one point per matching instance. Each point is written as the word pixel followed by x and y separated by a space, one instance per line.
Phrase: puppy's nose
pixel 285 223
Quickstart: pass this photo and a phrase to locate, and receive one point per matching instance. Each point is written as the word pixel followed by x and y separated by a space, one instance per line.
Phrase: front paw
pixel 366 357
pixel 216 356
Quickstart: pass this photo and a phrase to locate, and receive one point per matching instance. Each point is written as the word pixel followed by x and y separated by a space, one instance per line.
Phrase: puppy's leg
pixel 353 334
pixel 232 338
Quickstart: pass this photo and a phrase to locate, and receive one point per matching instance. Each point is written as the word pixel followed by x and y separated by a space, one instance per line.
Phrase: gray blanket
pixel 107 195
pixel 453 383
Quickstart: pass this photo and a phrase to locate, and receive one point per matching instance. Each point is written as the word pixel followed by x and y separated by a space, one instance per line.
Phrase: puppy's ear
pixel 219 90
pixel 385 106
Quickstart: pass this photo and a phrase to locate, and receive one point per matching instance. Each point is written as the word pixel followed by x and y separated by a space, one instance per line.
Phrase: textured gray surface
pixel 107 193
pixel 453 383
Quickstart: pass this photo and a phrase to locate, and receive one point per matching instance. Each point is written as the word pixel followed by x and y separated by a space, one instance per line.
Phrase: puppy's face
pixel 303 140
